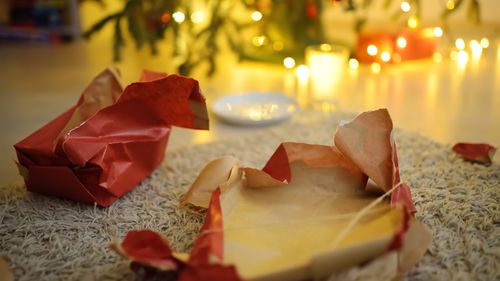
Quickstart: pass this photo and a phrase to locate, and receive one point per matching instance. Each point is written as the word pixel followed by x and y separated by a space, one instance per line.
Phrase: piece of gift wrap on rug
pixel 308 214
pixel 475 152
pixel 112 139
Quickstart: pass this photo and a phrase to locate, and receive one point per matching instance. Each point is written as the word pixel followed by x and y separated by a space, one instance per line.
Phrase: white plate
pixel 254 109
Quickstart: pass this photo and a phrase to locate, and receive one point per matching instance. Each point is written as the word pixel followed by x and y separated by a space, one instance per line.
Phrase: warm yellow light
pixel 259 40
pixel 405 6
pixel 278 46
pixel 256 16
pixel 376 67
pixel 462 57
pixel 474 44
pixel 325 47
pixel 302 72
pixel 428 32
pixel 460 44
pixel 289 62
pixel 401 42
pixel 475 48
pixel 179 17
pixel 197 17
pixel 485 43
pixel 413 22
pixel 385 56
pixel 450 4
pixel 396 58
pixel 372 50
pixel 438 31
pixel 353 64
pixel 437 57
pixel 453 55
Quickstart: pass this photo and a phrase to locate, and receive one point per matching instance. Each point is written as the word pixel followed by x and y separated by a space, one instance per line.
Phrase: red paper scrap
pixel 477 152
pixel 111 140
pixel 148 248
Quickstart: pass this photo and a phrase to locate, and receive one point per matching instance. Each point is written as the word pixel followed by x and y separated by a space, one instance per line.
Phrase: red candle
pixel 386 47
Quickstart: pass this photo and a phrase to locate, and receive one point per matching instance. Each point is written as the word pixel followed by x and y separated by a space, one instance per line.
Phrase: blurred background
pixel 435 64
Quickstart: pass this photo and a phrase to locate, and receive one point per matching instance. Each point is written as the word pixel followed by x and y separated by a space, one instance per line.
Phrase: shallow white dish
pixel 254 109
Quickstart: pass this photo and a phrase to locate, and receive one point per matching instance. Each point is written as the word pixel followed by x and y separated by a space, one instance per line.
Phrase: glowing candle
pixel 327 67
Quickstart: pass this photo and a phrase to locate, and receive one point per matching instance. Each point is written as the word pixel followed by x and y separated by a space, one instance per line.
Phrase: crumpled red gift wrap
pixel 112 139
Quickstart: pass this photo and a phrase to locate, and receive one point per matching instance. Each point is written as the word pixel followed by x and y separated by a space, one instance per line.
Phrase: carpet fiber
pixel 44 238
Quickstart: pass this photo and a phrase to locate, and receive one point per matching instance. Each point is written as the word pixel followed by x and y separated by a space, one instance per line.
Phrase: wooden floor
pixel 448 102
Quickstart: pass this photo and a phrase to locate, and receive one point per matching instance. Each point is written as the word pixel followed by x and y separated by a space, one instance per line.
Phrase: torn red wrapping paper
pixel 208 247
pixel 152 257
pixel 402 195
pixel 477 152
pixel 148 248
pixel 112 139
pixel 264 221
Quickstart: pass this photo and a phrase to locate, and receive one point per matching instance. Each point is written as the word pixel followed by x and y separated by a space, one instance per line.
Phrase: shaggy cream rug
pixel 44 238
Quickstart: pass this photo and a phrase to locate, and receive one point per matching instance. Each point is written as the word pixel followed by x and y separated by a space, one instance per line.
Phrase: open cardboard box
pixel 311 213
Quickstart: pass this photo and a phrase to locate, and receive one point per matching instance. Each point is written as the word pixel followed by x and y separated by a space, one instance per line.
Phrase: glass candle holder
pixel 327 69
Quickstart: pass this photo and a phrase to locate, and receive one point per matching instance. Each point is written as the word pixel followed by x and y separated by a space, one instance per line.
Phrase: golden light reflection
pixel 496 86
pixel 462 58
pixel 375 67
pixel 202 137
pixel 325 107
pixel 260 112
pixel 437 57
pixel 460 43
pixel 370 92
pixel 289 83
pixel 476 49
pixel 453 55
pixel 302 72
pixel 432 91
pixel 485 43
